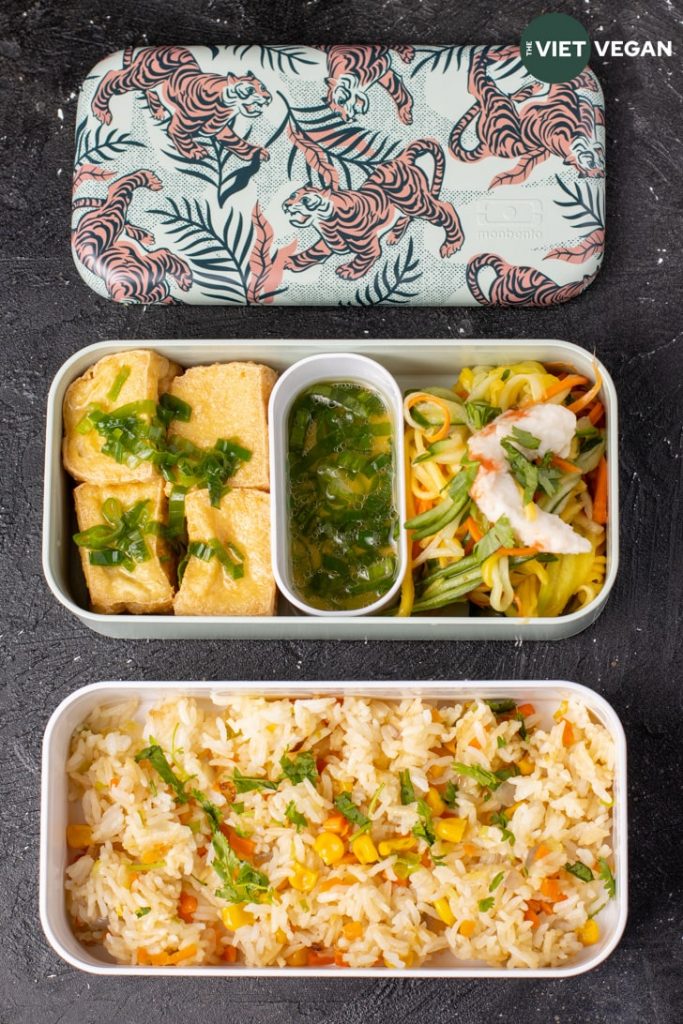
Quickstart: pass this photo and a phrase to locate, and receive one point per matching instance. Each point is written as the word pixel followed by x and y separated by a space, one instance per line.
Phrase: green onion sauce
pixel 342 508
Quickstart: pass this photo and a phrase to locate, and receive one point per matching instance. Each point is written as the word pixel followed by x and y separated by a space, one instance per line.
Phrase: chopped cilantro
pixel 296 817
pixel 301 767
pixel 407 790
pixel 580 870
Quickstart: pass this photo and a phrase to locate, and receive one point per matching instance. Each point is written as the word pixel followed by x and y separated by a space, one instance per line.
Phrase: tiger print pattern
pixel 354 220
pixel 198 103
pixel 337 174
pixel 130 273
pixel 518 286
pixel 352 70
pixel 527 125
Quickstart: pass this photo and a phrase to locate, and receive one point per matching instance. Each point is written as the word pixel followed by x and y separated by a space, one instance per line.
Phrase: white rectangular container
pixel 54 818
pixel 414 363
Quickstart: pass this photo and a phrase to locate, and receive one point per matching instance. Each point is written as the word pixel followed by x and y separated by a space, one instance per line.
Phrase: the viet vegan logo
pixel 555 48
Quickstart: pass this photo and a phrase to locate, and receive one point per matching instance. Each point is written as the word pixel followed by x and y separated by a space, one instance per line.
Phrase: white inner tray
pixel 414 363
pixel 55 810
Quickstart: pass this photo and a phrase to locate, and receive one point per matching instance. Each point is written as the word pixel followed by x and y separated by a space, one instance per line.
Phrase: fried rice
pixel 349 831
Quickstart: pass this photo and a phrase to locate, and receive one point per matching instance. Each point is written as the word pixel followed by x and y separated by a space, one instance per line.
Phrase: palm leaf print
pixel 284 58
pixel 438 58
pixel 391 284
pixel 350 147
pixel 587 208
pixel 101 144
pixel 219 255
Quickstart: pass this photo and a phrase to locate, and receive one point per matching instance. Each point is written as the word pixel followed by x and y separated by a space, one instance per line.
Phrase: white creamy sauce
pixel 495 490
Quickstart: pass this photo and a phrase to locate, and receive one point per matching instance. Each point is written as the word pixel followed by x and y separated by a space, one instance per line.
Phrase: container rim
pixel 276 688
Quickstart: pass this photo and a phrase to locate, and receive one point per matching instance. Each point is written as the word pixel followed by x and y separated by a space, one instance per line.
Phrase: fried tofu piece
pixel 147 589
pixel 149 376
pixel 229 400
pixel 207 589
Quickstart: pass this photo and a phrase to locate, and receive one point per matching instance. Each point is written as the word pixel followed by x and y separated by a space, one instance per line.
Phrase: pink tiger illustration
pixel 199 103
pixel 518 286
pixel 529 126
pixel 352 70
pixel 130 273
pixel 353 220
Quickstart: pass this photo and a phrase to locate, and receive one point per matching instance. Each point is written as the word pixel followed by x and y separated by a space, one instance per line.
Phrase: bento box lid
pixel 336 175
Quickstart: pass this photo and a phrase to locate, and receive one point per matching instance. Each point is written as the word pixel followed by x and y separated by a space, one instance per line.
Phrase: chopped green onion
pixel 120 379
pixel 495 882
pixel 143 911
pixel 407 789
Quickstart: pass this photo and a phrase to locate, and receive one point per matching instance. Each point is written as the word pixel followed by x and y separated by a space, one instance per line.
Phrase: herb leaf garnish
pixel 249 784
pixel 580 870
pixel 301 767
pixel 608 878
pixel 351 812
pixel 156 757
pixel 424 829
pixel 296 817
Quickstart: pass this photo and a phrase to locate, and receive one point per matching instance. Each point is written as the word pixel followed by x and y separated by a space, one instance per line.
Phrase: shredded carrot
pixel 531 915
pixel 567 734
pixel 330 883
pixel 469 849
pixel 336 823
pixel 517 552
pixel 243 847
pixel 563 385
pixel 449 745
pixel 600 497
pixel 402 883
pixel 546 908
pixel 423 505
pixel 568 467
pixel 339 958
pixel 596 413
pixel 442 431
pixel 187 904
pixel 475 743
pixel 526 709
pixel 229 954
pixel 473 529
pixel 588 397
pixel 143 956
pixel 550 888
pixel 542 851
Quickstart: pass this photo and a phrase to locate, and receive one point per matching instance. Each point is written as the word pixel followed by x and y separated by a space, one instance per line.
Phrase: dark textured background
pixel 631 316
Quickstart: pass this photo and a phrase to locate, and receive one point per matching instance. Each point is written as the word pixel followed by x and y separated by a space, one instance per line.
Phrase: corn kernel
pixel 329 847
pixel 78 836
pixel 525 765
pixel 365 850
pixel 530 511
pixel 436 771
pixel 280 936
pixel 451 830
pixel 443 909
pixel 299 958
pixel 389 846
pixel 302 878
pixel 352 930
pixel 467 929
pixel 466 379
pixel 561 711
pixel 590 933
pixel 235 916
pixel 434 801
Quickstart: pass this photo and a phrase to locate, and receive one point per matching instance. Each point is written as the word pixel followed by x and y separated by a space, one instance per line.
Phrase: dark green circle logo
pixel 555 48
